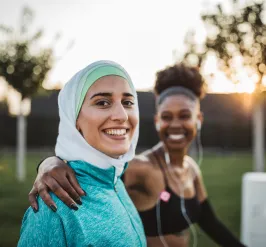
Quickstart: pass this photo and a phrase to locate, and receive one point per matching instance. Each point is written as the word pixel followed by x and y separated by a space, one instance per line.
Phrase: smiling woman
pixel 107 118
pixel 98 133
pixel 177 117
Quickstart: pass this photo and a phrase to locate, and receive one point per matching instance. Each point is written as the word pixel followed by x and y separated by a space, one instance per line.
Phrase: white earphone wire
pixel 182 203
pixel 183 207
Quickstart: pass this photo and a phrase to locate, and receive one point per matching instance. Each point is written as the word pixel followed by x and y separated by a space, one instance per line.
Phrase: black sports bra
pixel 171 220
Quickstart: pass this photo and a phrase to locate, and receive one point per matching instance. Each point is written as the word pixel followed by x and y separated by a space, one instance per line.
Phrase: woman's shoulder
pixel 193 165
pixel 47 212
pixel 144 166
pixel 147 157
pixel 143 163
pixel 140 166
pixel 39 229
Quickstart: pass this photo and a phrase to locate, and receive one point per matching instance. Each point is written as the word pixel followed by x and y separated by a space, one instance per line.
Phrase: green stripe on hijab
pixel 96 73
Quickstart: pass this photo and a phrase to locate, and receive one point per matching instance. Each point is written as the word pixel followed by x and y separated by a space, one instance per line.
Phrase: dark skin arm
pixel 58 177
pixel 208 221
pixel 142 182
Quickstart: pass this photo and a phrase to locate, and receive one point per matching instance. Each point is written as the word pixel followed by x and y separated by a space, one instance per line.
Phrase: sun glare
pixel 218 82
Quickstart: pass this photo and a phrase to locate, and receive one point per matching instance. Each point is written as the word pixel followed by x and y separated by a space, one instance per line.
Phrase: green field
pixel 222 175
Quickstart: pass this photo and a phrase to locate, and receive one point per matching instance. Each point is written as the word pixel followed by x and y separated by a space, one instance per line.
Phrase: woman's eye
pixel 166 118
pixel 102 103
pixel 186 116
pixel 128 103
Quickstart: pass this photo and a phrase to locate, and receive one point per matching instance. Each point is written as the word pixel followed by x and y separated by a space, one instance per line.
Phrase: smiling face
pixel 177 118
pixel 108 116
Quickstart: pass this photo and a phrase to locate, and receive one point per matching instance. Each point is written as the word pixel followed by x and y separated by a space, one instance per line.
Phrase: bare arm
pixel 208 220
pixel 199 184
pixel 58 177
pixel 140 182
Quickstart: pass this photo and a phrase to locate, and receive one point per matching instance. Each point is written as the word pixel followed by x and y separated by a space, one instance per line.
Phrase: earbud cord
pixel 183 208
pixel 200 147
pixel 182 201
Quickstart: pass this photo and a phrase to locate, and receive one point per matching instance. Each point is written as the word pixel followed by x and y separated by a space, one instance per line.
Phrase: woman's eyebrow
pixel 128 95
pixel 110 95
pixel 185 110
pixel 101 94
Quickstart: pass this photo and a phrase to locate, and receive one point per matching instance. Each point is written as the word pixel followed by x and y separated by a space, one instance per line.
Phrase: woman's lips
pixel 116 133
pixel 176 137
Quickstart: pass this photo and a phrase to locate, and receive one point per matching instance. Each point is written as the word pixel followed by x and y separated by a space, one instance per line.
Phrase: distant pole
pixel 258 134
pixel 21 145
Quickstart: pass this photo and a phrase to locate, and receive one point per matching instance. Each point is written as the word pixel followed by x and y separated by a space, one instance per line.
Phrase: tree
pixel 24 68
pixel 237 38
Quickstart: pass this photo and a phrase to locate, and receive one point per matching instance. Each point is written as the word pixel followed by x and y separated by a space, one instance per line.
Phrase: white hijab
pixel 70 143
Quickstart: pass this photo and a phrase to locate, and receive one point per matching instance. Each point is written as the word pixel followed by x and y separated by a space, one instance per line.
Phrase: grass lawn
pixel 222 176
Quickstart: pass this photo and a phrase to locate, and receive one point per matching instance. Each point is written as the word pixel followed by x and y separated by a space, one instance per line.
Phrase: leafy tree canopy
pixel 22 65
pixel 235 36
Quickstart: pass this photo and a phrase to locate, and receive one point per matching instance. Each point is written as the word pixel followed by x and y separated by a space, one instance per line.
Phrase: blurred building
pixel 227 122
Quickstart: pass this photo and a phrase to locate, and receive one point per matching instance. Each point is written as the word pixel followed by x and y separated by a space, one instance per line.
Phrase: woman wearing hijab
pixel 98 133
pixel 164 183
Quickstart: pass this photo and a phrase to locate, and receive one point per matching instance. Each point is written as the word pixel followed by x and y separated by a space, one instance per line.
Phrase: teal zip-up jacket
pixel 107 216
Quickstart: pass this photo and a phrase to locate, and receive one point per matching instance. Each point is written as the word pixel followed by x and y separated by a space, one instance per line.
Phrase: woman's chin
pixel 177 146
pixel 116 153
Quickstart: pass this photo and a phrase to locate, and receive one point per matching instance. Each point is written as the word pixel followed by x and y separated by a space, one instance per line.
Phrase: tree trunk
pixel 21 144
pixel 258 134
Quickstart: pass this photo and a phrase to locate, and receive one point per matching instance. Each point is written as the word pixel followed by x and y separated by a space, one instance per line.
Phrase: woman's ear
pixel 156 122
pixel 200 120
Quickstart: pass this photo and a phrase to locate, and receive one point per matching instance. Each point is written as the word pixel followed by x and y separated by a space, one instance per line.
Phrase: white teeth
pixel 177 137
pixel 116 132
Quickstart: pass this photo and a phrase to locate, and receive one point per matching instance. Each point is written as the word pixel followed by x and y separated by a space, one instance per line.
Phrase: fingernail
pixel 84 192
pixel 53 208
pixel 74 206
pixel 35 210
pixel 78 201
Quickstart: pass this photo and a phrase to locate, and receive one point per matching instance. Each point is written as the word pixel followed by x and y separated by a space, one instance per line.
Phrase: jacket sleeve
pixel 42 229
pixel 211 225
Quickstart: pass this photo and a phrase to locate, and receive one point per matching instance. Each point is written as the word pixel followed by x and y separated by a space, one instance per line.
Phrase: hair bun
pixel 180 75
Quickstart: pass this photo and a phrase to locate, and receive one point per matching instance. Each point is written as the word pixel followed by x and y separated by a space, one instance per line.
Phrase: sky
pixel 141 35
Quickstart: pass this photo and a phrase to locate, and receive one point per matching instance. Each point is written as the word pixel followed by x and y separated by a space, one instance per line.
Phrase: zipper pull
pixel 115 189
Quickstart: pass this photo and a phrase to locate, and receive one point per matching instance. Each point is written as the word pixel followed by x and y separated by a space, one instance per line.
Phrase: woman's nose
pixel 175 123
pixel 119 113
